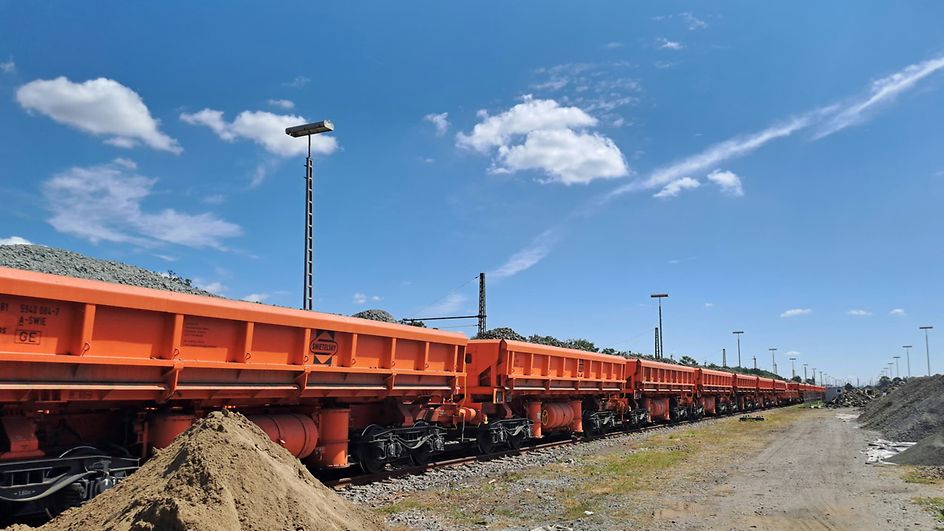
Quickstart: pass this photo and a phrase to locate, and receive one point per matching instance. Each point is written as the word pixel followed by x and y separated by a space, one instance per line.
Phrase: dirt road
pixel 828 486
pixel 798 469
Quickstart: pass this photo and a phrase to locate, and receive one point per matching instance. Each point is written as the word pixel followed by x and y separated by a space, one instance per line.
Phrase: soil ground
pixel 798 469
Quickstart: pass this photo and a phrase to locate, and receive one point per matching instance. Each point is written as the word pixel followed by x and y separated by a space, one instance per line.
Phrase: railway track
pixel 364 479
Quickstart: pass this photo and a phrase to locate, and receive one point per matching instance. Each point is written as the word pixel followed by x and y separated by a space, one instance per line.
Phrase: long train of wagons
pixel 94 376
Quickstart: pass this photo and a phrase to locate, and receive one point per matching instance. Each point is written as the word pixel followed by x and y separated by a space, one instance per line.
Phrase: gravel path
pixel 819 483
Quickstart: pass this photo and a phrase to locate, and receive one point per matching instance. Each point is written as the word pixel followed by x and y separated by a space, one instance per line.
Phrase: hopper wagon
pixel 666 391
pixel 715 391
pixel 746 392
pixel 94 375
pixel 766 391
pixel 516 391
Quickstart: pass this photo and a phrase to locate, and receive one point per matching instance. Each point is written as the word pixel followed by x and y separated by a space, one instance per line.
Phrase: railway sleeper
pixel 378 446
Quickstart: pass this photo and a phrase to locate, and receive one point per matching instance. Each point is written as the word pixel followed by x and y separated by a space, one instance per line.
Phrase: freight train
pixel 95 376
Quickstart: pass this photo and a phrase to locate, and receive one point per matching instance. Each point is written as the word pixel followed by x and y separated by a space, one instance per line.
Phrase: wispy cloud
pixel 527 257
pixel 692 22
pixel 362 298
pixel 8 66
pixel 883 91
pixel 298 82
pixel 796 312
pixel 256 297
pixel 728 181
pixel 449 304
pixel 897 312
pixel 440 122
pixel 282 104
pixel 675 187
pixel 666 44
pixel 264 128
pixel 859 313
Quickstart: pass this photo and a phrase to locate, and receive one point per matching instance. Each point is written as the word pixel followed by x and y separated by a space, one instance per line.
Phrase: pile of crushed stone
pixel 67 263
pixel 910 413
pixel 223 473
pixel 927 452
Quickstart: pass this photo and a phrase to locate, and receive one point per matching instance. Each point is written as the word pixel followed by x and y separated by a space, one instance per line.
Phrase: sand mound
pixel 928 451
pixel 223 473
pixel 910 413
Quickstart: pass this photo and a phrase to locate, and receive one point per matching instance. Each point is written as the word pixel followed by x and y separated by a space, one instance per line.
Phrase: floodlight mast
pixel 314 128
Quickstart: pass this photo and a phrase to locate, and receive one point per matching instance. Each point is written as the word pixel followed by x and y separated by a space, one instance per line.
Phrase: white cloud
pixel 542 135
pixel 527 257
pixel 859 313
pixel 569 157
pixel 897 312
pixel 105 203
pixel 709 305
pixel 792 354
pixel 440 121
pixel 256 297
pixel 15 240
pixel 214 199
pixel 282 104
pixel 298 82
pixel 216 288
pixel 613 45
pixel 8 67
pixel 665 44
pixel 729 182
pixel 448 305
pixel 882 91
pixel 692 22
pixel 361 298
pixel 102 107
pixel 675 187
pixel 264 128
pixel 795 312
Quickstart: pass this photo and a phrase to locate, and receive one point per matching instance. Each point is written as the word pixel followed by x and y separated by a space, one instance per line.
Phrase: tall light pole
pixel 793 367
pixel 897 368
pixel 307 130
pixel 773 358
pixel 907 358
pixel 814 376
pixel 804 373
pixel 927 349
pixel 660 296
pixel 738 334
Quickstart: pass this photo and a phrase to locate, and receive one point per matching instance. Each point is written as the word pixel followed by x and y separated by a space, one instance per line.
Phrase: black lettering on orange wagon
pixel 29 337
pixel 323 347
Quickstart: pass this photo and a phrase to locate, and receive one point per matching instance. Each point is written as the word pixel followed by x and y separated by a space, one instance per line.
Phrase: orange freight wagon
pixel 87 364
pixel 514 384
pixel 666 391
pixel 745 389
pixel 715 390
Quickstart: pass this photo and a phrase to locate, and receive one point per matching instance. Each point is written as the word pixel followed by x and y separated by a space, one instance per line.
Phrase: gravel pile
pixel 376 315
pixel 852 398
pixel 928 451
pixel 67 263
pixel 910 413
pixel 501 333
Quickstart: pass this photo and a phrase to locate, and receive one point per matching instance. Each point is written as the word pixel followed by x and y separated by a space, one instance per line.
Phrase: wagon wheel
pixel 515 441
pixel 484 441
pixel 369 457
pixel 421 456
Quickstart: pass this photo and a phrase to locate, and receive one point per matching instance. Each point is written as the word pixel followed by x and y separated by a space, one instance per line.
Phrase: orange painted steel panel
pixel 765 385
pixel 712 381
pixel 528 369
pixel 661 378
pixel 333 446
pixel 745 383
pixel 296 433
pixel 65 340
pixel 557 415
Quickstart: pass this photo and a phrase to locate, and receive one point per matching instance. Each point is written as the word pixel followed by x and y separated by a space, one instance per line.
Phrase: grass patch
pixel 916 475
pixel 400 507
pixel 935 506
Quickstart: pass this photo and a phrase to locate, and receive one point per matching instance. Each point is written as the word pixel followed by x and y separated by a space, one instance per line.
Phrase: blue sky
pixel 775 169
